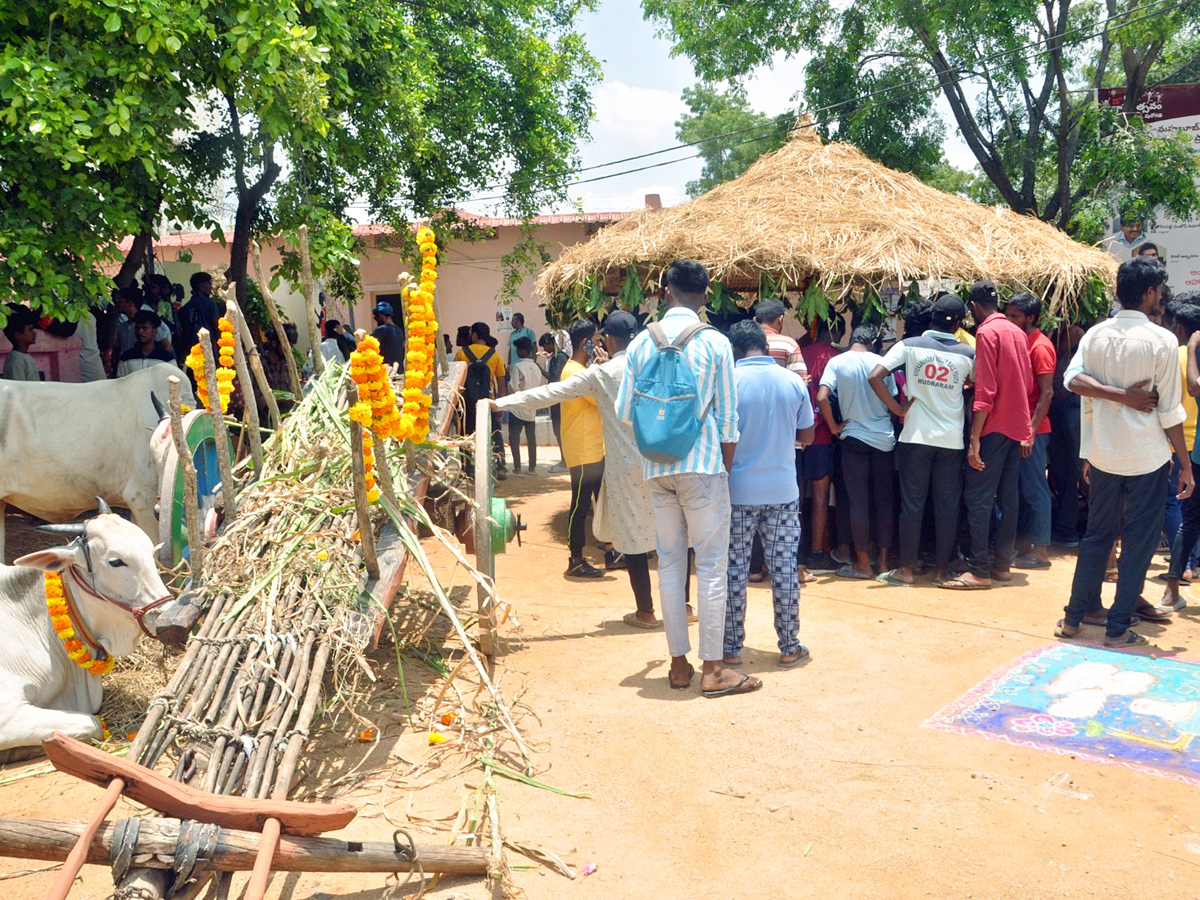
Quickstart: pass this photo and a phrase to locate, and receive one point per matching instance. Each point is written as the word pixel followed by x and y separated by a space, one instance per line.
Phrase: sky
pixel 637 103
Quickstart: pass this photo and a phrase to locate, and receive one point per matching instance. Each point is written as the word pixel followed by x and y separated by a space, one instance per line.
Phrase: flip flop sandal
pixel 889 577
pixel 747 685
pixel 802 655
pixel 807 577
pixel 1100 620
pixel 682 687
pixel 1059 630
pixel 957 584
pixel 1110 576
pixel 633 621
pixel 1030 562
pixel 1151 613
pixel 1128 639
pixel 851 572
pixel 1162 576
pixel 731 665
pixel 1002 575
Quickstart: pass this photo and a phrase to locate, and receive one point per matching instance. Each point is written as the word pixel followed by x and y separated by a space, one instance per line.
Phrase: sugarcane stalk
pixel 285 345
pixel 260 375
pixel 220 432
pixel 191 493
pixel 249 402
pixel 310 303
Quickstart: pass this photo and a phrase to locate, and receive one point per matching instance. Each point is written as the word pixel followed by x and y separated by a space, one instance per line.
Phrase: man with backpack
pixel 484 381
pixel 678 392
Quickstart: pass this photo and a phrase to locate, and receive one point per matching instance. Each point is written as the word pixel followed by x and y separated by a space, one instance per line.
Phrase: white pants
pixel 692 510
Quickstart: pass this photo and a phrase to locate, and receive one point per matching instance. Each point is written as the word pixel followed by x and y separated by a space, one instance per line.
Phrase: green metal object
pixel 505 525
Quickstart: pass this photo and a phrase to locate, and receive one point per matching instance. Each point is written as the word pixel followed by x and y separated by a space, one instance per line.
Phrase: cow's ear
pixel 53 560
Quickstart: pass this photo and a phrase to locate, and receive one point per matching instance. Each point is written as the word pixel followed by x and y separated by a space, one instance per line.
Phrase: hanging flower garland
pixel 225 373
pixel 60 618
pixel 376 406
pixel 422 337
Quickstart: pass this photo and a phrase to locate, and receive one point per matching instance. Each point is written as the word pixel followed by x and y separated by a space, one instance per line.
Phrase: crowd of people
pixel 953 454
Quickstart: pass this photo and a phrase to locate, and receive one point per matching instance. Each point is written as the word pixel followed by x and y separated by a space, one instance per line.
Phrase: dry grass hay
pixel 826 211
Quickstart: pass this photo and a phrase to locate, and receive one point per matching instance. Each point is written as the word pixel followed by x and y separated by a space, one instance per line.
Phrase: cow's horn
pixel 158 407
pixel 103 508
pixel 74 529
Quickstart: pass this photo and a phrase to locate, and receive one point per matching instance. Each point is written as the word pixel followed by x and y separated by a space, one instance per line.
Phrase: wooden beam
pixel 235 851
pixel 160 793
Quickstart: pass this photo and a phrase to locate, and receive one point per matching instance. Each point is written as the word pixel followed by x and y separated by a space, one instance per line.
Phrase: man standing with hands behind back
pixel 1127 372
pixel 691 496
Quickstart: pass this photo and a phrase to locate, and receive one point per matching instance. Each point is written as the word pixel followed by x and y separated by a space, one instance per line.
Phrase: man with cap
pixel 937 368
pixel 1000 424
pixel 389 335
pixel 624 515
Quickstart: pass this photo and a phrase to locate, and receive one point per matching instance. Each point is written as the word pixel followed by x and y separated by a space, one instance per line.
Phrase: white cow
pixel 110 579
pixel 63 445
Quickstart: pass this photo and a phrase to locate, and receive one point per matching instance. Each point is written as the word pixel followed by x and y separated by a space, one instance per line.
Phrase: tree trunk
pixel 134 259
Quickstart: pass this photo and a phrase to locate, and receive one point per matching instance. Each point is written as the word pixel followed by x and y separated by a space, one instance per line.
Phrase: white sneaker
pixel 557 469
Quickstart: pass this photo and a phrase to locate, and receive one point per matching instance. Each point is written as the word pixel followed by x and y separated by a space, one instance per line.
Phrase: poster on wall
pixel 504 319
pixel 1166 109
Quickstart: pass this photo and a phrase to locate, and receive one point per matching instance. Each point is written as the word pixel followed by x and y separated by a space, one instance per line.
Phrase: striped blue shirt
pixel 711 359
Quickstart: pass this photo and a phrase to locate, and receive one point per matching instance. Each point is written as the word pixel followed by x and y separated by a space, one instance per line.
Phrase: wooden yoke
pixel 179 801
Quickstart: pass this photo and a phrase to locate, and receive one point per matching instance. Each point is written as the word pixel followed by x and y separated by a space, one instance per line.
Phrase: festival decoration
pixel 225 373
pixel 422 339
pixel 60 618
pixel 362 413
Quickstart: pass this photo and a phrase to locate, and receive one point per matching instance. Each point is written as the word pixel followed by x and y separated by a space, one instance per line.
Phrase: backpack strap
pixel 471 357
pixel 688 333
pixel 491 352
pixel 660 337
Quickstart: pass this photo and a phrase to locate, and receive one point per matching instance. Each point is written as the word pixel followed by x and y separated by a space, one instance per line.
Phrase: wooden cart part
pixel 152 789
pixel 236 851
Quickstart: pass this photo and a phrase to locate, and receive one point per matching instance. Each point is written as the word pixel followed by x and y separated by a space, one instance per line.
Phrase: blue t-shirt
pixel 864 416
pixel 772 405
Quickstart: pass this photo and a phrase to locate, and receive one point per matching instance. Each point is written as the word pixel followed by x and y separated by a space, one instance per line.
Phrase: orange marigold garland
pixel 60 618
pixel 422 339
pixel 361 413
pixel 225 373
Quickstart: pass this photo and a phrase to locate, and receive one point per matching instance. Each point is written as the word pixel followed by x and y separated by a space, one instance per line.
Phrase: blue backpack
pixel 666 414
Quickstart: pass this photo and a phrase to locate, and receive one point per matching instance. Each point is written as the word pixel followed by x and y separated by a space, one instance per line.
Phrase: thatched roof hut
pixel 827 212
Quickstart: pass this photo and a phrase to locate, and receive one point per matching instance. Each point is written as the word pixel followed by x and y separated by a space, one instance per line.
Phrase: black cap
pixel 984 292
pixel 620 324
pixel 949 308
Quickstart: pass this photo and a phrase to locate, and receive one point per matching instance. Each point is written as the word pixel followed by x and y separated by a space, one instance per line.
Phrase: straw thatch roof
pixel 829 212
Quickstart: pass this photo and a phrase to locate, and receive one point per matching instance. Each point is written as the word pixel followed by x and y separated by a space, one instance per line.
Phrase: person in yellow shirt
pixel 482 348
pixel 583 450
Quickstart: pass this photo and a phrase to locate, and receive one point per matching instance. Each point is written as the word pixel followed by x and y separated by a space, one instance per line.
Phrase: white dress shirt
pixel 1121 352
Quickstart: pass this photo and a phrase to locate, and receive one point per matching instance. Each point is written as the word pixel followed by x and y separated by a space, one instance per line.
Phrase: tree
pixel 728 132
pixel 88 97
pixel 310 106
pixel 1019 78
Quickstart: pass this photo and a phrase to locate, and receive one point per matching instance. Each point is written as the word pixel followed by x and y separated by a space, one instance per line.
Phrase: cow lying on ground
pixel 63 445
pixel 110 581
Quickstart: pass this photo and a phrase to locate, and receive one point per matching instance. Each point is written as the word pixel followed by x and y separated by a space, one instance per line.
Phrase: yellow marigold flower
pixel 372 495
pixel 435 738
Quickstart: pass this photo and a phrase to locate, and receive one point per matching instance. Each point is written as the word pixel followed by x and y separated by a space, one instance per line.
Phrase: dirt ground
pixel 822 784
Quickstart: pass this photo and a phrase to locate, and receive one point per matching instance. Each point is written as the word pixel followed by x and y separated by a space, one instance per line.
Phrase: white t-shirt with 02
pixel 936 368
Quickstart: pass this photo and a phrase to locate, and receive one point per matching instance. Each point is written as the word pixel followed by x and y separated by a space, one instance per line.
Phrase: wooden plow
pixel 205 833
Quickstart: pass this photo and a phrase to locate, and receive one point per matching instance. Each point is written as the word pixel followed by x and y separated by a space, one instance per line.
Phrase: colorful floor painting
pixel 1104 705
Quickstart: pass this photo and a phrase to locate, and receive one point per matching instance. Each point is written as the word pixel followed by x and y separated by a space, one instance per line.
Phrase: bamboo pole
pixel 191 492
pixel 284 344
pixel 383 469
pixel 310 303
pixel 260 376
pixel 236 850
pixel 485 561
pixel 361 505
pixel 220 432
pixel 249 401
